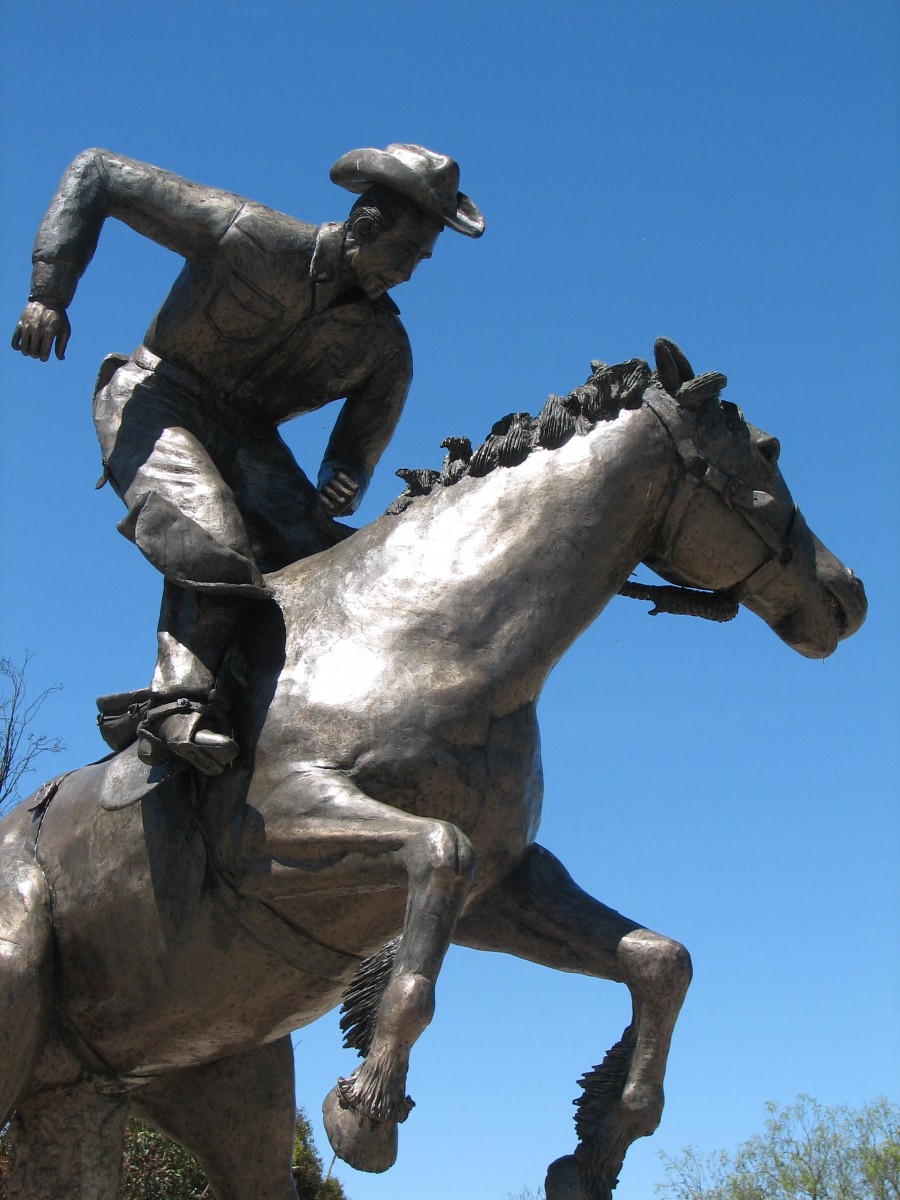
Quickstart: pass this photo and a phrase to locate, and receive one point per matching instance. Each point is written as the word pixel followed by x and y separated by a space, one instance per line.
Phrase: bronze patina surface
pixel 165 928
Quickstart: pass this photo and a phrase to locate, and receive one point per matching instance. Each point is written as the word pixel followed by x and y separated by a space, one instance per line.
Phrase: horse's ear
pixel 672 367
pixel 702 388
pixel 665 367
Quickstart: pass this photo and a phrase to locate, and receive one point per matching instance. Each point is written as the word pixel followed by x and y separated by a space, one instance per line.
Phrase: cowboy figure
pixel 269 318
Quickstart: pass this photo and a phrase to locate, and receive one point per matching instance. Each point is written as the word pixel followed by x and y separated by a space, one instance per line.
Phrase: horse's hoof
pixel 563 1180
pixel 365 1144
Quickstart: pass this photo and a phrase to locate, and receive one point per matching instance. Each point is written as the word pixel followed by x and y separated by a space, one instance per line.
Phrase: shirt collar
pixel 327 254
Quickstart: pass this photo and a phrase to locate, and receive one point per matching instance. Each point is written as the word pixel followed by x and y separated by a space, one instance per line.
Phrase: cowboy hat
pixel 430 180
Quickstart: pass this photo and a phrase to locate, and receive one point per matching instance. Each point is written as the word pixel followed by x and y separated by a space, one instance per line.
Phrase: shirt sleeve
pixel 182 216
pixel 369 416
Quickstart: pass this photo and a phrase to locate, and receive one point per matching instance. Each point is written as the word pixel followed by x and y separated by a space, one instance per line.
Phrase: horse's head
pixel 732 525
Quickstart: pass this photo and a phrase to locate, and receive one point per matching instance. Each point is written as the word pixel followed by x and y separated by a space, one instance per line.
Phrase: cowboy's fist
pixel 39 326
pixel 338 495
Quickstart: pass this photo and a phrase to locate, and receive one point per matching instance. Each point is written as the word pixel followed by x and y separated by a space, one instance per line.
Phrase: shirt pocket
pixel 239 312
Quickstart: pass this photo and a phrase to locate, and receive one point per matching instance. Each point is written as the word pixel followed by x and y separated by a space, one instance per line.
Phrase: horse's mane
pixel 602 397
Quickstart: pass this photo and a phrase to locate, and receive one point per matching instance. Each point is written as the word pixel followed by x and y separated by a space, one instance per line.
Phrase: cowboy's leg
pixel 194 628
pixel 183 517
pixel 182 514
pixel 277 501
pixel 540 914
pixel 319 835
pixel 188 714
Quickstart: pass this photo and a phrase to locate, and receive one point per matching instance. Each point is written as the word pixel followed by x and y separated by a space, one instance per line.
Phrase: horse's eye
pixel 769 448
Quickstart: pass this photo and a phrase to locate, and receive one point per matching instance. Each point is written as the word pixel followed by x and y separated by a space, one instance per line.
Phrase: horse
pixel 163 934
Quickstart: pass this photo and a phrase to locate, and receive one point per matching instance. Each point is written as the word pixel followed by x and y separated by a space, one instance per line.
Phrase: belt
pixel 239 408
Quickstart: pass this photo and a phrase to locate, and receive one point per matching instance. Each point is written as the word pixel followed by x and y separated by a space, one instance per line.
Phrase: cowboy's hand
pixel 39 326
pixel 338 494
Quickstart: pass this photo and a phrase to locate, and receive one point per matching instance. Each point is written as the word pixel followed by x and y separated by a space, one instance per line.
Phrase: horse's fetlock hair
pixel 361 1000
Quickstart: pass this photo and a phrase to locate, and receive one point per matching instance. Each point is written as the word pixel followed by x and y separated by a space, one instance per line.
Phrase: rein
pixel 682 601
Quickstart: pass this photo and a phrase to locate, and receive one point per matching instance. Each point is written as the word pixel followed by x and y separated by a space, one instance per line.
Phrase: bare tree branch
pixel 20 746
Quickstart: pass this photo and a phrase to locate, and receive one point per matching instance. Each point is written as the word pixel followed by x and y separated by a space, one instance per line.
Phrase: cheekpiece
pixel 430 180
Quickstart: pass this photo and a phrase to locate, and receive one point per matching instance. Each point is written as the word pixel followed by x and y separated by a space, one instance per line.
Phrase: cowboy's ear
pixel 364 229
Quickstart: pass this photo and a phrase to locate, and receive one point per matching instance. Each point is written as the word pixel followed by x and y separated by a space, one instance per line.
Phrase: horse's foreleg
pixel 439 867
pixel 539 913
pixel 345 841
pixel 361 1113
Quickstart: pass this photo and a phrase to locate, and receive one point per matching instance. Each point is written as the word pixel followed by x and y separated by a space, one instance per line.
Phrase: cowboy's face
pixel 392 256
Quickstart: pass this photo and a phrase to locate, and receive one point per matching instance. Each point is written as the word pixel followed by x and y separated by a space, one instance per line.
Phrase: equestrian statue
pixel 167 917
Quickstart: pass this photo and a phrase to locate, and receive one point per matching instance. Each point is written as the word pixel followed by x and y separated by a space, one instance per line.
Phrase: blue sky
pixel 723 174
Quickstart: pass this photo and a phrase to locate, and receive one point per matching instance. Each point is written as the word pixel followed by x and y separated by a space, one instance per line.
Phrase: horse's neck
pixel 503 572
pixel 560 535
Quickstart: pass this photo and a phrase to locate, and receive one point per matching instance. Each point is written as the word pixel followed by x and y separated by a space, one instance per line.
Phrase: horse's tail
pixel 26 960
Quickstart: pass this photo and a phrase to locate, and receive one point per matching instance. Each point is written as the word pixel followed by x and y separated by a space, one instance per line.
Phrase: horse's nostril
pixel 837 608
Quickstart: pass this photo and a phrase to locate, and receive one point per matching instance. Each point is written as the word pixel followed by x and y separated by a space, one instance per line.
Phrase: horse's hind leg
pixel 538 913
pixel 26 974
pixel 236 1115
pixel 67 1145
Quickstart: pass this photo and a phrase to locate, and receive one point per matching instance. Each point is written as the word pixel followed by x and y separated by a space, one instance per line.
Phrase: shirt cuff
pixel 53 283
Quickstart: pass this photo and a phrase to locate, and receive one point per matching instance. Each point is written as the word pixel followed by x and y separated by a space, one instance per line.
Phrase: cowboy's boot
pixel 185 717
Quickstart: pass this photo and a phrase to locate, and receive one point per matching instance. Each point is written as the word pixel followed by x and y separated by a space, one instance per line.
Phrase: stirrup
pixel 177 727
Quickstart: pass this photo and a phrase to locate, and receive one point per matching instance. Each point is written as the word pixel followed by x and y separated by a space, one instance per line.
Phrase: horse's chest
pixel 490 789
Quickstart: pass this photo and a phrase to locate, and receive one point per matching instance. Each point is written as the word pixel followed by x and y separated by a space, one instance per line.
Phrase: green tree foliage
pixel 155 1168
pixel 806 1151
pixel 308 1166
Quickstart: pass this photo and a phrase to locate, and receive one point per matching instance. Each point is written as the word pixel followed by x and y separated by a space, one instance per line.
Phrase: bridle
pixel 751 504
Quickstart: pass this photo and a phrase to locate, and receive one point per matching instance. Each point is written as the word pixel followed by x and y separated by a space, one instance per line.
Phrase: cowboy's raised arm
pixel 183 216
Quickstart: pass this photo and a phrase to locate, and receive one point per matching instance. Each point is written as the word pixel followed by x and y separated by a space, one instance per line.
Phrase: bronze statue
pixel 270 317
pixel 387 800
